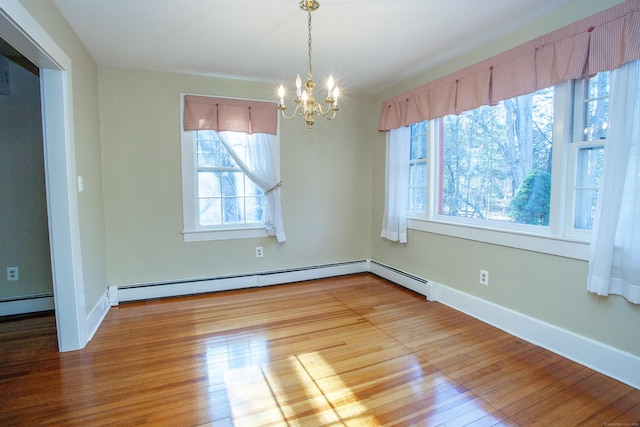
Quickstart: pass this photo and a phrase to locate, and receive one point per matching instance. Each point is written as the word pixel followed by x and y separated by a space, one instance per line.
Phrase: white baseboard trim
pixel 97 315
pixel 610 361
pixel 137 292
pixel 25 305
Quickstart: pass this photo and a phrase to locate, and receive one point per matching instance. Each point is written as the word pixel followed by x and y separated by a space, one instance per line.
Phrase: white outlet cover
pixel 484 277
pixel 13 273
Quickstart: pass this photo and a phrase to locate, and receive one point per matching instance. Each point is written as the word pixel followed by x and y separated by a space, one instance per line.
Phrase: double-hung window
pixel 530 165
pixel 225 196
pixel 230 178
pixel 589 135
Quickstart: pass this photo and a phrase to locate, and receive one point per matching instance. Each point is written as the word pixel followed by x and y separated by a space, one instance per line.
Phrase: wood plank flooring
pixel 348 351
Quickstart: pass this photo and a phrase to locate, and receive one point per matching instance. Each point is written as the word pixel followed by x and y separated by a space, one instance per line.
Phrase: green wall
pixel 546 287
pixel 326 183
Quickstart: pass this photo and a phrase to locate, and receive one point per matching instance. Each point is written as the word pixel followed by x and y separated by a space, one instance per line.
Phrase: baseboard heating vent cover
pixel 417 284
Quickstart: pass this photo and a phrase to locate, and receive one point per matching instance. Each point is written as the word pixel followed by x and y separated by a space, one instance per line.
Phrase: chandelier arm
pixel 293 114
pixel 330 109
pixel 321 112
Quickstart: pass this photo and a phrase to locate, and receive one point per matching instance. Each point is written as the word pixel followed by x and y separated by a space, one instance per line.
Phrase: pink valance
pixel 226 114
pixel 604 41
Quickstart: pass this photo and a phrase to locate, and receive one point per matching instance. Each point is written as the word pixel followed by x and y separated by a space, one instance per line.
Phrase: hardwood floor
pixel 348 351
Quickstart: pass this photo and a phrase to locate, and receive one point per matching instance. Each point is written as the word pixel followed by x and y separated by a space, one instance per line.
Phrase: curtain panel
pixel 226 114
pixel 394 219
pixel 259 164
pixel 602 42
pixel 614 258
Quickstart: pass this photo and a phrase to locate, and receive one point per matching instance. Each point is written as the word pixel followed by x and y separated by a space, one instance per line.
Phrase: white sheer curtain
pixel 394 221
pixel 614 261
pixel 255 154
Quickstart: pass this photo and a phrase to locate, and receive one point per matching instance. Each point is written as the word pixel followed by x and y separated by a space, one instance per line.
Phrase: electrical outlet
pixel 484 277
pixel 259 252
pixel 12 273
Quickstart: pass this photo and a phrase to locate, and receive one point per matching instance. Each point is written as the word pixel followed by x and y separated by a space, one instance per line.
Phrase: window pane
pixel 208 152
pixel 419 140
pixel 251 189
pixel 598 86
pixel 209 212
pixel 209 184
pixel 596 119
pixel 585 208
pixel 232 183
pixel 417 187
pixel 497 161
pixel 254 209
pixel 590 166
pixel 233 210
pixel 589 172
pixel 211 152
pixel 596 111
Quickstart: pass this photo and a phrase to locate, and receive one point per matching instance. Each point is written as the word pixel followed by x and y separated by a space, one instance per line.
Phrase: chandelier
pixel 306 105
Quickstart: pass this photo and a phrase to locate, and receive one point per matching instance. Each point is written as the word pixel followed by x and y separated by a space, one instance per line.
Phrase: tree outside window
pixel 496 162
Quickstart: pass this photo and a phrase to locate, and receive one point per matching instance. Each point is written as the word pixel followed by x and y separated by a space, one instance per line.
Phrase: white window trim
pixel 560 246
pixel 553 240
pixel 575 144
pixel 191 231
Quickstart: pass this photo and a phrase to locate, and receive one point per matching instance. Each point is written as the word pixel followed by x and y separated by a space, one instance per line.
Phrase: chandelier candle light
pixel 307 106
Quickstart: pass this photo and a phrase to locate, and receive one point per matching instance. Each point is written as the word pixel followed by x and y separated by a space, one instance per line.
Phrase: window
pixel 225 196
pixel 496 161
pixel 529 165
pixel 230 179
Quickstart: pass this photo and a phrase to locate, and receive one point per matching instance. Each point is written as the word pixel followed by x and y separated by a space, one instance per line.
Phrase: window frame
pixel 554 239
pixel 192 231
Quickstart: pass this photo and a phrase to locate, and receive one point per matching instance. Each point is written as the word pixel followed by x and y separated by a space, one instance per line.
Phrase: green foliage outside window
pixel 530 204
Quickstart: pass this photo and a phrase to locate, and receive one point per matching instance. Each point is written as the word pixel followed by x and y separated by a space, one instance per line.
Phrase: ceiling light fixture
pixel 307 106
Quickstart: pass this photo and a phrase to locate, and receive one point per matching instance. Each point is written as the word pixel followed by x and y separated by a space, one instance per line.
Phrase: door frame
pixel 24 33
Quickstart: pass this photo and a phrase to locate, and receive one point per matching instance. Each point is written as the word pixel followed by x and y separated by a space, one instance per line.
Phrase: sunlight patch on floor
pixel 283 392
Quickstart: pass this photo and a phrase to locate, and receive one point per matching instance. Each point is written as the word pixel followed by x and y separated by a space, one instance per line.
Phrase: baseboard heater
pixel 417 284
pixel 26 304
pixel 145 291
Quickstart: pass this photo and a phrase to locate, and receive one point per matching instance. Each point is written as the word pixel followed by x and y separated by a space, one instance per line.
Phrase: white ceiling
pixel 367 45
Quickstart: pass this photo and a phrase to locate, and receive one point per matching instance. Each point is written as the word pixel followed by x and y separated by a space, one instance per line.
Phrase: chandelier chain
pixel 309 26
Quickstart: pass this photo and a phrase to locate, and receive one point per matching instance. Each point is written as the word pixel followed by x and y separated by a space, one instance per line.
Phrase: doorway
pixel 24 243
pixel 25 35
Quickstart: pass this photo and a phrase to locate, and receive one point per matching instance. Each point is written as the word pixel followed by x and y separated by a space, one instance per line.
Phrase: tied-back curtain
pixel 394 220
pixel 259 164
pixel 228 114
pixel 614 261
pixel 602 42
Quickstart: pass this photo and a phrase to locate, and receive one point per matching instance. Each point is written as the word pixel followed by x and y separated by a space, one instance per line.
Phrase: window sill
pixel 563 247
pixel 224 234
